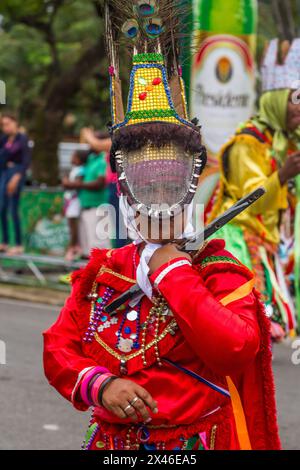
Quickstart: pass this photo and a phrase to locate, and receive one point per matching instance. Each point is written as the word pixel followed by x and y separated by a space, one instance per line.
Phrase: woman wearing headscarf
pixel 263 152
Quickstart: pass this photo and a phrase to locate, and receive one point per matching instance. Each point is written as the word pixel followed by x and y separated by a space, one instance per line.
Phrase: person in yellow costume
pixel 263 152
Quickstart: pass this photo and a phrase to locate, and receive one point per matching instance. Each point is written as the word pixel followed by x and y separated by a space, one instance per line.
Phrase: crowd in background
pixel 90 185
pixel 14 161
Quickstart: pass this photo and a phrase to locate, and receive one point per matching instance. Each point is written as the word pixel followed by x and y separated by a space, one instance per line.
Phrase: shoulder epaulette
pixel 218 259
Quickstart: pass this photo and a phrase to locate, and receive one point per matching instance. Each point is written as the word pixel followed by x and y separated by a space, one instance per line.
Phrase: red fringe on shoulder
pixel 85 277
pixel 270 412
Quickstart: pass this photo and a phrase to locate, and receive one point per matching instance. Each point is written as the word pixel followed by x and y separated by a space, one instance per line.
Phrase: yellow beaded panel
pixel 156 97
pixel 151 152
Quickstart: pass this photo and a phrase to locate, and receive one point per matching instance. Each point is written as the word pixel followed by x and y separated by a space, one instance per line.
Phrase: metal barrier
pixel 35 264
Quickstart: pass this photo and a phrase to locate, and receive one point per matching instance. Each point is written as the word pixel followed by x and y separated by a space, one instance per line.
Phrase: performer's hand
pixel 290 169
pixel 121 394
pixel 166 254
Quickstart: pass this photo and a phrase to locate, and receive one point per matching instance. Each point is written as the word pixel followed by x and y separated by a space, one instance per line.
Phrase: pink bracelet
pixel 86 380
pixel 96 387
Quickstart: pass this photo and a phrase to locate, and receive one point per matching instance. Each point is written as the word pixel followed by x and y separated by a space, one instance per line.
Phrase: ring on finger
pixel 127 408
pixel 133 401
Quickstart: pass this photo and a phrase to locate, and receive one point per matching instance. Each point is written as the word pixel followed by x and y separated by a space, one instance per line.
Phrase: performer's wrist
pixel 166 254
pixel 103 387
pixel 157 277
pixel 88 381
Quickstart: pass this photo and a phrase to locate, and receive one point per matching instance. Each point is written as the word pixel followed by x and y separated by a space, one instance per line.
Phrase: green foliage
pixel 29 61
pixel 41 41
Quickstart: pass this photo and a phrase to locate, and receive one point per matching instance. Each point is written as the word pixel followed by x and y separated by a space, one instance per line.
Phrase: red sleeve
pixel 64 360
pixel 225 338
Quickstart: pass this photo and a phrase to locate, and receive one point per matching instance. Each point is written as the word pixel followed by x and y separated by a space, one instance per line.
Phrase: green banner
pixel 44 228
pixel 219 66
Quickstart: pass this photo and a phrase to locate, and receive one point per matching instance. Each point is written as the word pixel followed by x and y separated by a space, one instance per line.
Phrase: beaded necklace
pixel 125 345
pixel 97 314
pixel 99 321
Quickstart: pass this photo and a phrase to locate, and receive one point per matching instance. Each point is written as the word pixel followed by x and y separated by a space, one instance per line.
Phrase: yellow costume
pixel 247 162
pixel 250 165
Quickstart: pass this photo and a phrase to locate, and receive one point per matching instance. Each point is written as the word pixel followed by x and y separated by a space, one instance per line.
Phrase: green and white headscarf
pixel 272 114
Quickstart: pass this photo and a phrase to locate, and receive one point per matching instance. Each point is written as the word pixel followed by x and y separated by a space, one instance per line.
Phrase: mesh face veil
pixel 157 151
pixel 158 175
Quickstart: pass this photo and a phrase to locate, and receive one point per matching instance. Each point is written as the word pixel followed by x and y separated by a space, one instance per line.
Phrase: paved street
pixel 34 416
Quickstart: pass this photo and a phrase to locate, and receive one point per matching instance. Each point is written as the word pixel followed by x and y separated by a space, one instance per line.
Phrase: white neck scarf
pixel 150 248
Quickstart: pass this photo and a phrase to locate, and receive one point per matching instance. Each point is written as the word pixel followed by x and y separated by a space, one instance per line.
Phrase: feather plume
pixel 170 14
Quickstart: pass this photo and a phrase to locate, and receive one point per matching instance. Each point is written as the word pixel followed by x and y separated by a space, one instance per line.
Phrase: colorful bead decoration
pixel 142 81
pixel 160 98
pixel 97 315
pixel 151 113
pixel 147 57
pixel 90 435
pixel 156 81
pixel 124 344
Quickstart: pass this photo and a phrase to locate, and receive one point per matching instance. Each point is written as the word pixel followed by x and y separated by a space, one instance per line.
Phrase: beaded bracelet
pixel 86 380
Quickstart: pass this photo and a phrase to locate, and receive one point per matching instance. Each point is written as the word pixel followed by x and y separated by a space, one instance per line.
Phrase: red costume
pixel 217 330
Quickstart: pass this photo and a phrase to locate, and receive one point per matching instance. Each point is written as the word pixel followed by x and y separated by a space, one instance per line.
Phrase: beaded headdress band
pixel 157 150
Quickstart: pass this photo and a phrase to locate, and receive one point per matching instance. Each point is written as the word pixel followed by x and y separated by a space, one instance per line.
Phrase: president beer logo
pixel 224 70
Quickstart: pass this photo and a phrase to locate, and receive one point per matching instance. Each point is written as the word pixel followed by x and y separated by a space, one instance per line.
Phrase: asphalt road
pixel 34 416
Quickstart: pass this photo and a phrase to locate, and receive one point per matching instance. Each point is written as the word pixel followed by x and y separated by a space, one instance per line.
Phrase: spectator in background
pixel 72 208
pixel 97 140
pixel 92 191
pixel 14 162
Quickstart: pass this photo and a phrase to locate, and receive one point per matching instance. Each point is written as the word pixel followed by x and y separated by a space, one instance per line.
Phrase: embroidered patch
pixel 218 259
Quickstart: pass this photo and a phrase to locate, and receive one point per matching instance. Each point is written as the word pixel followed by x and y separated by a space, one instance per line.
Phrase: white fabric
pixel 143 268
pixel 88 228
pixel 79 377
pixel 150 248
pixel 75 173
pixel 73 208
pixel 170 268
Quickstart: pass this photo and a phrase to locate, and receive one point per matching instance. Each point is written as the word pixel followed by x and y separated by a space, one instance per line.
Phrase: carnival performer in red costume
pixel 188 364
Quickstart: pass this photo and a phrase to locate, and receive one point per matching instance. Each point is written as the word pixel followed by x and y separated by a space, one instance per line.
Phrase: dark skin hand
pixel 166 254
pixel 119 393
pixel 290 169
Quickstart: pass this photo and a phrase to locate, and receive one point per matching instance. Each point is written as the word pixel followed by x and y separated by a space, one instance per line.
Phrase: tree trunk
pixel 283 16
pixel 47 133
pixel 48 121
pixel 289 19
